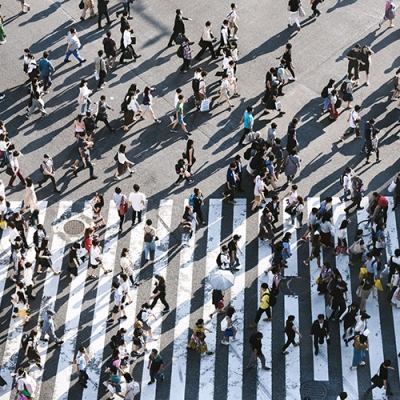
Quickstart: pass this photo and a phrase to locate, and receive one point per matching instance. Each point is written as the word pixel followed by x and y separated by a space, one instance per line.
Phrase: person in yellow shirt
pixel 265 299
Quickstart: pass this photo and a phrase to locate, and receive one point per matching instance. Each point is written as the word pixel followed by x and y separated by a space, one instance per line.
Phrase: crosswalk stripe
pixel 164 222
pixel 292 360
pixel 207 364
pixel 349 378
pixel 71 329
pixel 264 382
pixel 317 307
pixel 235 357
pixel 50 289
pixel 15 330
pixel 372 308
pixel 392 243
pixel 184 291
pixel 101 312
pixel 292 268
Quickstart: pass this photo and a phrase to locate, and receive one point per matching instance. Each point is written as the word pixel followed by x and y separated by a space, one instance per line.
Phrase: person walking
pixel 148 103
pixel 187 55
pixel 232 18
pixel 206 42
pixel 83 97
pixel 265 297
pixel 110 49
pixel 100 69
pixel 224 38
pixel 31 348
pixel 353 56
pixel 179 27
pixel 87 5
pixel 86 160
pixel 155 366
pixel 118 304
pixel 360 345
pixel 73 262
pixel 230 330
pixel 231 179
pixel 365 61
pixel 293 8
pixel 382 378
pixel 82 359
pixel 46 69
pixel 102 9
pixel 353 121
pixel 96 259
pixel 256 351
pixel 248 123
pixel 390 14
pixel 30 199
pixel 196 201
pixel 292 166
pixel 48 328
pixel 357 187
pixel 320 331
pixel 159 293
pixel 73 46
pixel 233 247
pixel 150 236
pixel 48 171
pixel 127 44
pixel 102 114
pixel 137 200
pixel 314 5
pixel 291 331
pixel 15 169
pixel 36 99
pixel 123 163
pixel 179 117
pixel 120 199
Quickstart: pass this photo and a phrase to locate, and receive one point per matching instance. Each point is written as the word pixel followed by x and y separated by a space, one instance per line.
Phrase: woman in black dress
pixel 159 294
pixel 189 155
pixel 73 262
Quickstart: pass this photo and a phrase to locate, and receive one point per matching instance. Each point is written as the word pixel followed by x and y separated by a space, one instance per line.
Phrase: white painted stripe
pixel 317 307
pixel 392 243
pixel 292 360
pixel 264 381
pixel 349 378
pixel 15 331
pixel 207 364
pixel 372 309
pixel 291 269
pixel 148 392
pixel 101 311
pixel 50 289
pixel 184 291
pixel 69 350
pixel 235 357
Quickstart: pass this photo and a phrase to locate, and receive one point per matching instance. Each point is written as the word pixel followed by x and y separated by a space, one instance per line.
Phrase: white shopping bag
pixel 392 187
pixel 205 105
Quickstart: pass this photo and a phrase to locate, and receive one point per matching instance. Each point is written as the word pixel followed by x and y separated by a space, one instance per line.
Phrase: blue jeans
pixel 75 53
pixel 345 194
pixel 88 165
pixel 85 106
pixel 149 246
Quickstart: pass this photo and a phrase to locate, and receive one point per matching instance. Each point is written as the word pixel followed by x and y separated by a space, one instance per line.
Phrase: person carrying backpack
pixel 48 171
pixel 30 344
pixel 223 260
pixel 265 306
pixel 24 384
pixel 186 54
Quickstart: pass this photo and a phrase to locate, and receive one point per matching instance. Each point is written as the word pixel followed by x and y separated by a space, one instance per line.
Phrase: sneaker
pixel 225 343
pixel 292 79
pixel 173 130
pixel 165 311
pixel 266 368
pixel 158 121
pixel 93 177
pixel 362 363
pixel 2 96
pixel 267 319
pixel 188 133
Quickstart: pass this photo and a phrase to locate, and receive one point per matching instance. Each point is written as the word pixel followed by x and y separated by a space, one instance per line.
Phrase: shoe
pixel 305 262
pixel 75 173
pixel 267 319
pixel 360 208
pixel 82 19
pixel 123 317
pixel 158 121
pixel 224 343
pixel 316 352
pixel 2 96
pixel 138 56
pixel 165 311
pixel 117 178
pixel 173 131
pixel 190 181
pixel 83 259
pixel 254 325
pixel 232 202
pixel 266 368
pixel 39 365
pixel 292 79
pixel 284 352
pixel 151 382
pixel 110 322
pixel 352 368
pixel 93 177
pixel 84 60
pixel 362 363
pixel 60 342
pixel 67 61
pixel 188 133
pixel 84 385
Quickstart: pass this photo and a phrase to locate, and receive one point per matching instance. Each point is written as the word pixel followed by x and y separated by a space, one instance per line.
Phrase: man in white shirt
pixel 119 199
pixel 348 174
pixel 137 201
pixel 353 121
pixel 73 45
pixel 81 360
pixel 118 304
pixel 259 187
pixel 206 41
pixel 232 17
pixel 224 257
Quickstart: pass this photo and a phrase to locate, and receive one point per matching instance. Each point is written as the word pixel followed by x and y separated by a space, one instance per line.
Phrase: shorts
pixel 147 107
pixel 112 54
pixel 257 198
pixel 180 121
pixel 94 266
pixel 116 309
pixel 228 332
pixel 146 326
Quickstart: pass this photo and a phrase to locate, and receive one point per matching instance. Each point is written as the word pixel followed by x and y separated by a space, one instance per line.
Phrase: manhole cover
pixel 314 390
pixel 298 285
pixel 74 227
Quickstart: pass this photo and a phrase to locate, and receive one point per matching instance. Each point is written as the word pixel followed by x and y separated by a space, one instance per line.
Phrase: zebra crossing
pixel 205 383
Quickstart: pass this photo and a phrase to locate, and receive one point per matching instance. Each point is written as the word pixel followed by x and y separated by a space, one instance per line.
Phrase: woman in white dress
pixel 30 199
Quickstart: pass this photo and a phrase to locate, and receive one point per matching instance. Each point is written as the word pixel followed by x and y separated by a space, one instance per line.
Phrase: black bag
pixel 291 210
pixel 377 380
pixel 338 103
pixel 113 342
pixel 180 38
pixel 179 52
pixel 128 54
pixel 343 87
pixel 81 5
pixel 272 299
pixel 196 85
pixel 324 93
pixel 9 170
pixel 133 40
pixel 218 260
pixel 247 154
pixel 24 340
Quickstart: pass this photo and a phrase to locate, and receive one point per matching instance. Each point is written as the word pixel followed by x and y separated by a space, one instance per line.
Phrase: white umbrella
pixel 221 280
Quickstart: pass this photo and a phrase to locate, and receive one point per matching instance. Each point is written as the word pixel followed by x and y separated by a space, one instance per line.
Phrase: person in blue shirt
pixel 46 69
pixel 248 122
pixel 81 361
pixel 231 178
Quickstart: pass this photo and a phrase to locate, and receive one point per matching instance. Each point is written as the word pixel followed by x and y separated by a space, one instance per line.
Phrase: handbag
pixel 133 40
pixel 362 274
pixel 96 75
pixel 205 105
pixel 81 5
pixel 377 380
pixel 128 54
pixel 328 311
pixel 356 247
pixel 3 224
pixel 278 106
pixel 359 290
pixel 302 13
pixel 220 305
pixel 180 39
pixel 123 207
pixel 392 187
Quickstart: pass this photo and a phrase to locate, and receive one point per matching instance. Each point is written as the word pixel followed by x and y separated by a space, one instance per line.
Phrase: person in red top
pixel 382 205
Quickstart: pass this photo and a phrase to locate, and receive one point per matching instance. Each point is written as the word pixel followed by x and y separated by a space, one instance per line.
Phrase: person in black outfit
pixel 217 301
pixel 290 331
pixel 397 192
pixel 73 262
pixel 320 330
pixel 179 27
pixel 206 42
pixel 256 348
pixel 224 39
pixel 122 28
pixel 316 12
pixel 159 294
pixel 198 201
pixel 354 61
pixel 239 172
pixel 383 375
pixel 103 10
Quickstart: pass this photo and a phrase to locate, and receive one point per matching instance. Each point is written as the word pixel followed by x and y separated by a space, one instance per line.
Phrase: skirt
pixel 122 168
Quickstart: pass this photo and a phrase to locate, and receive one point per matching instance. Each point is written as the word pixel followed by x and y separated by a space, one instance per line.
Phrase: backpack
pixel 341 178
pixel 179 52
pixel 324 93
pixel 25 340
pixel 191 200
pixel 113 342
pixel 90 124
pixel 196 85
pixel 30 385
pixel 395 81
pixel 272 299
pixel 123 207
pixel 41 168
pixel 338 103
pixel 343 87
pixel 139 317
pixel 177 168
pixel 218 260
pixel 247 154
pixel 124 106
